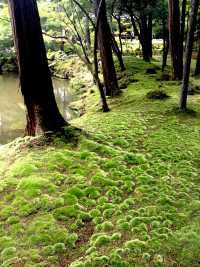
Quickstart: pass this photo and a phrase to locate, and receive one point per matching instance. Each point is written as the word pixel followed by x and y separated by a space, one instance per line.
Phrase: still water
pixel 12 110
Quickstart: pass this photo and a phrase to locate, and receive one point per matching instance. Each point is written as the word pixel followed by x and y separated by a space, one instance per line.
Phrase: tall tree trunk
pixel 118 53
pixel 36 84
pixel 87 34
pixel 144 36
pixel 197 68
pixel 104 40
pixel 118 18
pixel 182 25
pixel 175 40
pixel 150 35
pixel 165 45
pixel 189 46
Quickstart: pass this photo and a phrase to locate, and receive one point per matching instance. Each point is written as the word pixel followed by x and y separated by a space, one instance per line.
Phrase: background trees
pixel 124 28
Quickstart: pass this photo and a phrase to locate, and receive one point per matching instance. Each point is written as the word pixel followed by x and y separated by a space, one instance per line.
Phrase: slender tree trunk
pixel 120 32
pixel 150 36
pixel 165 45
pixel 87 34
pixel 118 53
pixel 144 34
pixel 104 40
pixel 189 46
pixel 182 25
pixel 175 40
pixel 36 84
pixel 197 68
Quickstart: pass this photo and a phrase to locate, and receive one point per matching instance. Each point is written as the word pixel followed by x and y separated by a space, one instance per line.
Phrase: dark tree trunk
pixel 175 40
pixel 36 84
pixel 1 71
pixel 182 25
pixel 118 53
pixel 144 34
pixel 165 45
pixel 197 68
pixel 146 37
pixel 189 46
pixel 150 36
pixel 87 34
pixel 104 40
pixel 105 107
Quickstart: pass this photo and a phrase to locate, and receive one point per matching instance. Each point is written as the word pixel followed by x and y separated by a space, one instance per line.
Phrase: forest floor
pixel 124 192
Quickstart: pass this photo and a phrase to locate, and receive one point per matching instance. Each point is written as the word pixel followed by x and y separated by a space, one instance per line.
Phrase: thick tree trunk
pixel 36 84
pixel 175 40
pixel 144 34
pixel 105 107
pixel 104 40
pixel 189 46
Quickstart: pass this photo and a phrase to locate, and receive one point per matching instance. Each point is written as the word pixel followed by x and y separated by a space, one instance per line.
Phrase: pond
pixel 12 109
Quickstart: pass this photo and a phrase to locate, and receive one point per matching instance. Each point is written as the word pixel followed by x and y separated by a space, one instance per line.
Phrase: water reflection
pixel 12 110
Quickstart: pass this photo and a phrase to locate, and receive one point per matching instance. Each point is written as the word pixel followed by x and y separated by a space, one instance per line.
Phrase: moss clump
pixel 135 244
pixel 65 213
pixel 151 71
pixel 157 94
pixel 102 240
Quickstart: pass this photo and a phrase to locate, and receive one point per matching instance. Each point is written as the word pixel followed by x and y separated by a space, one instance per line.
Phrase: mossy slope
pixel 127 194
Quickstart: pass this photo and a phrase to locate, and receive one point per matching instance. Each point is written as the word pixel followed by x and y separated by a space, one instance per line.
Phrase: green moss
pixel 102 240
pixel 65 213
pixel 124 192
pixel 135 244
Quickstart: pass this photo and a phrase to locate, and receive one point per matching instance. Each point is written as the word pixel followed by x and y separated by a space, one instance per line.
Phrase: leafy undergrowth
pixel 125 193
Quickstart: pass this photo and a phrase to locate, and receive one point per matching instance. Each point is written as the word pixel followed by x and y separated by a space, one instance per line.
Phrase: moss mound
pixel 157 94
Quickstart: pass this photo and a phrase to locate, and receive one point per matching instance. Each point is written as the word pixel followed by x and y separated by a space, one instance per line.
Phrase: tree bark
pixel 118 19
pixel 197 68
pixel 189 46
pixel 182 25
pixel 104 41
pixel 150 36
pixel 36 84
pixel 87 34
pixel 144 34
pixel 96 71
pixel 118 53
pixel 175 40
pixel 165 45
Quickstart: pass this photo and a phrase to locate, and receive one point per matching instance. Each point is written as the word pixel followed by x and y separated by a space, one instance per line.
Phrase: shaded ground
pixel 126 194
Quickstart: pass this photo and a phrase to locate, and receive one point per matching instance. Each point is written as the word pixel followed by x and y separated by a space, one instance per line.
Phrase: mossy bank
pixel 123 193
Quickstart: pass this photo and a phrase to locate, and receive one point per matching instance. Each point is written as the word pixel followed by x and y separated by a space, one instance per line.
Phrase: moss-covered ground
pixel 123 193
